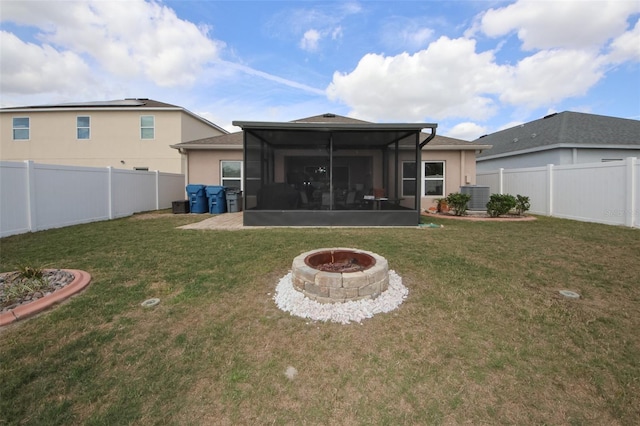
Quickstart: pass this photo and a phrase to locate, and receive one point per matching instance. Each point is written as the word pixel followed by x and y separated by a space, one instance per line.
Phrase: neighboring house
pixel 561 138
pixel 333 170
pixel 129 133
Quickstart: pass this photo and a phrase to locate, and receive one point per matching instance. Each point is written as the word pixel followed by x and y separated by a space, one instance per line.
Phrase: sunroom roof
pixel 290 134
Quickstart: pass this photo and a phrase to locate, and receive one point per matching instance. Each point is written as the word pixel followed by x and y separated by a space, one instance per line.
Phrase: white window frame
pixel 14 129
pixel 142 128
pixel 78 127
pixel 223 178
pixel 413 179
pixel 425 179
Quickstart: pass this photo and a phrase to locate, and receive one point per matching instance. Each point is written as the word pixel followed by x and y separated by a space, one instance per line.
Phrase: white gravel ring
pixel 297 304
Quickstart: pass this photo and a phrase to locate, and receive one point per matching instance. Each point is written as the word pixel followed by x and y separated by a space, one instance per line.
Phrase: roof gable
pixel 565 128
pixel 330 118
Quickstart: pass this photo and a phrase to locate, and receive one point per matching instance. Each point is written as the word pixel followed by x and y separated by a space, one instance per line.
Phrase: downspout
pixel 418 184
pixel 419 166
pixel 395 182
pixel 330 171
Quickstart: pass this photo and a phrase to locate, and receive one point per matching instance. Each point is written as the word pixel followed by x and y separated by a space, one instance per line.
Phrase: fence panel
pixel 606 193
pixel 35 197
pixel 171 188
pixel 590 192
pixel 132 191
pixel 528 182
pixel 66 195
pixel 490 179
pixel 635 212
pixel 14 204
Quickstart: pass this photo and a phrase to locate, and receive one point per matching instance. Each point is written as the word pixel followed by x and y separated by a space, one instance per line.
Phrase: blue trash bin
pixel 217 202
pixel 197 198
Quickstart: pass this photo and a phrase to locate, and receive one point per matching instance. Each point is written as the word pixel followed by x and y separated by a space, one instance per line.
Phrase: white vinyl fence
pixel 595 192
pixel 35 197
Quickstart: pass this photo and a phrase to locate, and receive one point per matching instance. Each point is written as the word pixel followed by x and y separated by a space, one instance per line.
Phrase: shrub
pixel 458 202
pixel 29 272
pixel 522 204
pixel 500 204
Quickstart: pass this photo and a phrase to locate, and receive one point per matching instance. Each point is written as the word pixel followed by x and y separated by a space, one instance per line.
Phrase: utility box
pixel 197 198
pixel 217 202
pixel 179 207
pixel 234 200
pixel 479 196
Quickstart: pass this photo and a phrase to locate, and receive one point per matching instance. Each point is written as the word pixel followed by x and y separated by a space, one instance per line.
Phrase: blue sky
pixel 473 67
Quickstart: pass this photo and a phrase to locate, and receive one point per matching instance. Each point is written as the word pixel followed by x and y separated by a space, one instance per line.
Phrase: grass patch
pixel 484 336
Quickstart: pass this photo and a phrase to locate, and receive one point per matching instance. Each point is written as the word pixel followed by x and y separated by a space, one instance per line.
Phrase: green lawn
pixel 483 338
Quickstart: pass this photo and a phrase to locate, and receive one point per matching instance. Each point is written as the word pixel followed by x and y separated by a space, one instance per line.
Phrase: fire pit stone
pixel 334 275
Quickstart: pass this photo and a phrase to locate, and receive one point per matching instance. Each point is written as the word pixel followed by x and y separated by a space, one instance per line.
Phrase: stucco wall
pixel 558 156
pixel 193 129
pixel 204 165
pixel 204 168
pixel 115 139
pixel 460 169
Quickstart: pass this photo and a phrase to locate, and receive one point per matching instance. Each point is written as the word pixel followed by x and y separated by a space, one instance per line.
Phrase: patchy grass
pixel 484 336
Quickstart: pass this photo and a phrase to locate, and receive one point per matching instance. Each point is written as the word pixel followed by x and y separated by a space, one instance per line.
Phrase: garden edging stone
pixel 80 281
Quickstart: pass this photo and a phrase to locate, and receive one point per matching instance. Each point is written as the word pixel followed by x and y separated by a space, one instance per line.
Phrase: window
pixel 83 127
pixel 231 174
pixel 147 127
pixel 433 178
pixel 20 128
pixel 408 179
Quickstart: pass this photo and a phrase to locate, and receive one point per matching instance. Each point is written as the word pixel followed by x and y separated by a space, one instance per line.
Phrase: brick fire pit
pixel 333 275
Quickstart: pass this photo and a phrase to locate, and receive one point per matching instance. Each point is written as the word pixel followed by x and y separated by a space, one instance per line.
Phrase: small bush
pixel 29 272
pixel 500 204
pixel 522 204
pixel 458 202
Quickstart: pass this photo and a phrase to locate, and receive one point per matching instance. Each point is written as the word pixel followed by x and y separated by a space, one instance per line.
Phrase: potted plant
pixel 441 205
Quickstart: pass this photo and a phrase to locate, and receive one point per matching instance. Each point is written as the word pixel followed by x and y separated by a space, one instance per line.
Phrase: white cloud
pixel 310 40
pixel 132 39
pixel 401 33
pixel 467 131
pixel 448 79
pixel 627 46
pixel 27 68
pixel 560 24
pixel 551 76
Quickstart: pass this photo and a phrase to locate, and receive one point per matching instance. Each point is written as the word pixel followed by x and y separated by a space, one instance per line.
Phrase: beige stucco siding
pixel 115 138
pixel 193 129
pixel 204 166
pixel 459 170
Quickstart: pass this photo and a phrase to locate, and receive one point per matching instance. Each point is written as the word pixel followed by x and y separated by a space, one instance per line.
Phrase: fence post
pixel 110 191
pixel 631 210
pixel 157 189
pixel 549 189
pixel 31 199
pixel 500 180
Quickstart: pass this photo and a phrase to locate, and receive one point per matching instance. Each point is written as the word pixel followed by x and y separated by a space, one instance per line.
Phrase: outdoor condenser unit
pixel 479 196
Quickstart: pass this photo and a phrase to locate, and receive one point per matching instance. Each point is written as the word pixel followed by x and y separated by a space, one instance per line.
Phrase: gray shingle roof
pixel 118 103
pixel 235 139
pixel 565 128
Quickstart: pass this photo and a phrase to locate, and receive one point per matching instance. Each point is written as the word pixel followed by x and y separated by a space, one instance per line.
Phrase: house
pixel 561 138
pixel 128 133
pixel 333 170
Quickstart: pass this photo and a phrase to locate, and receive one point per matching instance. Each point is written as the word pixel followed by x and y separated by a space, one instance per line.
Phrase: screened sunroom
pixel 332 174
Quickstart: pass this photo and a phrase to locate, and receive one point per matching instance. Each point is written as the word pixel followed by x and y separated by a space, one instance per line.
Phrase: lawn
pixel 483 338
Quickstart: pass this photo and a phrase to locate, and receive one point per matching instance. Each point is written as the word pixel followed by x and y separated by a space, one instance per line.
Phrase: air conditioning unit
pixel 479 196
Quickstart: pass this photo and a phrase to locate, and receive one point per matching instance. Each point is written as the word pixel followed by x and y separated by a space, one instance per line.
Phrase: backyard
pixel 484 337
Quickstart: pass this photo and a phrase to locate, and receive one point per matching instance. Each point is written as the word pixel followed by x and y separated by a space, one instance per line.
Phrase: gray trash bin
pixel 234 200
